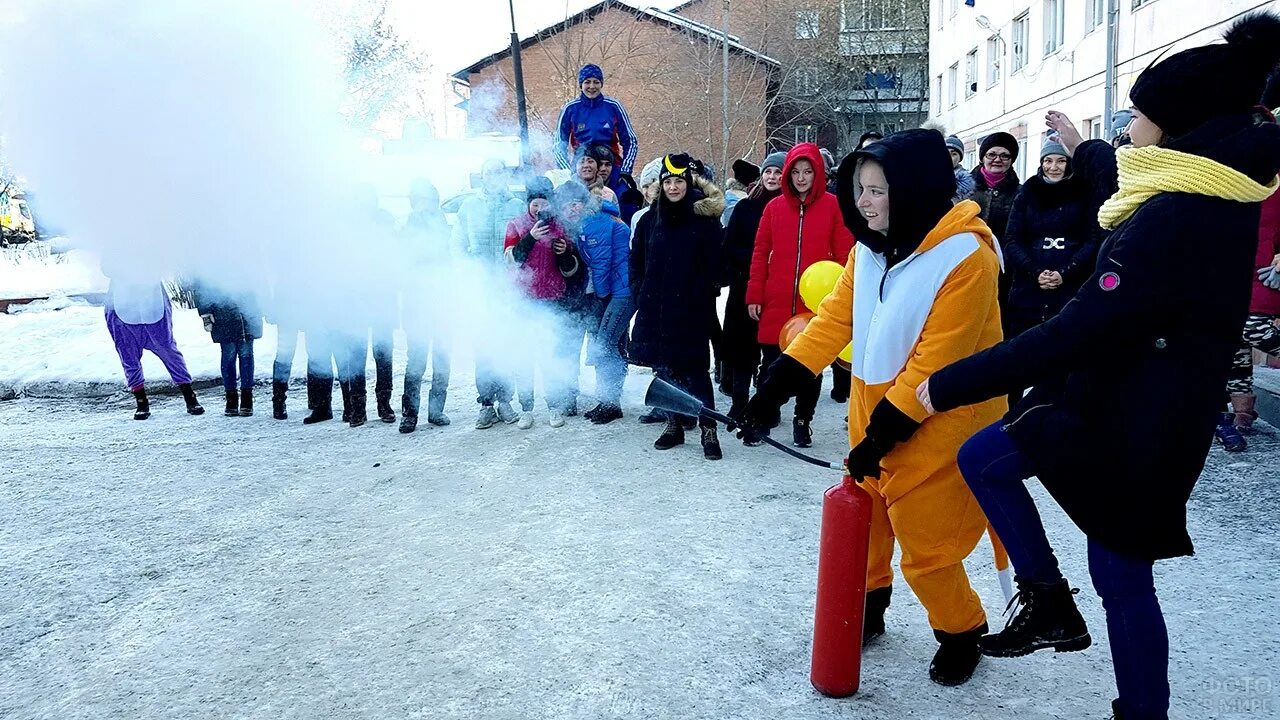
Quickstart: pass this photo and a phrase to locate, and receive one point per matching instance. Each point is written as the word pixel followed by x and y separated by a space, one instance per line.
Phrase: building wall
pixel 1069 79
pixel 835 110
pixel 669 83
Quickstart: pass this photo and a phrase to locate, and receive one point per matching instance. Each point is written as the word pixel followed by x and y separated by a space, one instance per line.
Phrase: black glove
pixel 887 427
pixel 781 381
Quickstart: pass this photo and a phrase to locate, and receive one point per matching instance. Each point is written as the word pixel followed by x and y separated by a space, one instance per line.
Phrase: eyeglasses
pixel 998 156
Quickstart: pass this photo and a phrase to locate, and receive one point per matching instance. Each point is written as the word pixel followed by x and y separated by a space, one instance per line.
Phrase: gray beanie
pixel 777 159
pixel 1053 147
pixel 955 143
pixel 649 173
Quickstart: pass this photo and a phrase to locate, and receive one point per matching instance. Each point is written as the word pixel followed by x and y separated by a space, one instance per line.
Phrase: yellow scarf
pixel 1148 171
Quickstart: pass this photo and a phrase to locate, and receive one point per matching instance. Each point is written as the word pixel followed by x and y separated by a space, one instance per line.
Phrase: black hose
pixel 712 414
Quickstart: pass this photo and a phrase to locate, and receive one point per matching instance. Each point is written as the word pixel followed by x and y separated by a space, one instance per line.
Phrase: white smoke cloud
pixel 204 140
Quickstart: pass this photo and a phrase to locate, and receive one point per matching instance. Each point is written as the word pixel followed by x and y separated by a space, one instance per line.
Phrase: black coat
pixel 235 318
pixel 996 202
pixel 740 330
pixel 1128 379
pixel 675 279
pixel 1052 226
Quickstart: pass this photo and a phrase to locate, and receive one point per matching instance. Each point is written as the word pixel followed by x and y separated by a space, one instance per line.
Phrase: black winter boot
pixel 654 416
pixel 873 616
pixel 189 397
pixel 246 402
pixel 345 387
pixel 1115 710
pixel 672 436
pixel 1048 618
pixel 385 413
pixel 359 409
pixel 233 404
pixel 801 433
pixel 144 406
pixel 408 414
pixel 606 413
pixel 279 389
pixel 319 400
pixel 957 656
pixel 711 443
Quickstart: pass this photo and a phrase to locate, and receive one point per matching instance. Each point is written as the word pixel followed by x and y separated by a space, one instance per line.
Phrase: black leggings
pixel 806 397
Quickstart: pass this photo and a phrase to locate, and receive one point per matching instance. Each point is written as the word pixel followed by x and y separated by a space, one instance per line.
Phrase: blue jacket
pixel 601 121
pixel 605 246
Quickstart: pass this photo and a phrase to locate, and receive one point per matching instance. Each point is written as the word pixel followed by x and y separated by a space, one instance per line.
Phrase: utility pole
pixel 1110 99
pixel 724 101
pixel 521 111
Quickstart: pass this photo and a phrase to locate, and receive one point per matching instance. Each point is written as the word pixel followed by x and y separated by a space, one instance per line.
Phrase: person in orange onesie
pixel 918 292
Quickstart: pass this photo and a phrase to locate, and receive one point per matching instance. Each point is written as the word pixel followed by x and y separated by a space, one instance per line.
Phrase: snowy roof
pixel 653 14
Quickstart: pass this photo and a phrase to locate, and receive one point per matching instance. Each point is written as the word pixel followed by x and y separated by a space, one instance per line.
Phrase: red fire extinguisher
pixel 842 590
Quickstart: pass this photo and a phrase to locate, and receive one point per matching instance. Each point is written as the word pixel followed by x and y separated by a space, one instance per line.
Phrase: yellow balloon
pixel 817 282
pixel 847 353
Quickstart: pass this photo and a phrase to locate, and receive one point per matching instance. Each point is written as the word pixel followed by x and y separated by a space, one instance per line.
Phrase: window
pixel 953 73
pixel 806 24
pixel 1093 128
pixel 940 14
pixel 995 53
pixel 806 133
pixel 1021 36
pixel 1054 19
pixel 955 6
pixel 1139 3
pixel 1095 14
pixel 937 95
pixel 971 73
pixel 873 15
pixel 807 80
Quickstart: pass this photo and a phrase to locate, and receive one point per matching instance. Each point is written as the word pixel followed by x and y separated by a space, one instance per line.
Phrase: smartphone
pixel 545 216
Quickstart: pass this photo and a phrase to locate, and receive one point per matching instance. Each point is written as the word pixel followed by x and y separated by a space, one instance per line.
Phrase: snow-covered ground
pixel 35 270
pixel 213 567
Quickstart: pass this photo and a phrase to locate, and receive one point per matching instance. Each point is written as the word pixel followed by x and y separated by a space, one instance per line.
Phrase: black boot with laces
pixel 1047 618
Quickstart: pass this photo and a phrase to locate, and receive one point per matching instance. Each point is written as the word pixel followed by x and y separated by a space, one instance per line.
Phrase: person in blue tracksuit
pixel 593 118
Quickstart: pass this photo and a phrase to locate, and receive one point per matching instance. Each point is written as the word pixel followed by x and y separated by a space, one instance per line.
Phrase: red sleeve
pixel 760 258
pixel 512 236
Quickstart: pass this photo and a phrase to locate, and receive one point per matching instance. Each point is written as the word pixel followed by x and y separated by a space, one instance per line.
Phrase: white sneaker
pixel 526 420
pixel 506 413
pixel 557 419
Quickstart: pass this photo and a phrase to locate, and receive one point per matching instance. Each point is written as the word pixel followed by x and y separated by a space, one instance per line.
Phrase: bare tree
pixel 380 65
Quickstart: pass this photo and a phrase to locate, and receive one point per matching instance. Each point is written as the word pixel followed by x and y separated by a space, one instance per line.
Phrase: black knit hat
pixel 602 153
pixel 538 187
pixel 572 191
pixel 1187 89
pixel 745 172
pixel 998 139
pixel 676 166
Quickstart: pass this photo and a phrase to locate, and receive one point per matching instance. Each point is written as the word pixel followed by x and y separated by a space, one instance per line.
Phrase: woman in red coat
pixel 799 228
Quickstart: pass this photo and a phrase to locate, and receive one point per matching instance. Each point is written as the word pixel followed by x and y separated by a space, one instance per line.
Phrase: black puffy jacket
pixel 1053 226
pixel 1127 381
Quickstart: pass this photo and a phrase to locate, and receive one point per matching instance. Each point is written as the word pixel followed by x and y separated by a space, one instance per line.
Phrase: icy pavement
pixel 213 567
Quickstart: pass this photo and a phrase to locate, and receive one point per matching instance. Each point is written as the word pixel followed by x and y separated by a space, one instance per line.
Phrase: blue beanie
pixel 590 71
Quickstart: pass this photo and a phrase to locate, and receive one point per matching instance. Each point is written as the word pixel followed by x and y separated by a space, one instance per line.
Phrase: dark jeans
pixel 237 353
pixel 419 350
pixel 807 396
pixel 382 345
pixel 286 348
pixel 611 366
pixel 995 470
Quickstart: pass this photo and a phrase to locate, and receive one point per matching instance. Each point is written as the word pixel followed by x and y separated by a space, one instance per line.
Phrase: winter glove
pixel 1269 277
pixel 888 427
pixel 208 322
pixel 780 383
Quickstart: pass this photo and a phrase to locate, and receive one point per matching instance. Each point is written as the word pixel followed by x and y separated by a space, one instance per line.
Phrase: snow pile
pixel 68 353
pixel 31 270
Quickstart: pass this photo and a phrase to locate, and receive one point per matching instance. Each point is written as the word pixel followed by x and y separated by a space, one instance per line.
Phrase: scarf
pixel 991 178
pixel 1148 171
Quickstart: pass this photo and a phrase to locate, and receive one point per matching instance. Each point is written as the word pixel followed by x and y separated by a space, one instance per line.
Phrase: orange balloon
pixel 792 328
